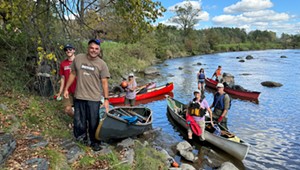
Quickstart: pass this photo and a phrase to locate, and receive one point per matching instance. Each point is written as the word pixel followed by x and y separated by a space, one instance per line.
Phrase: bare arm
pixel 210 115
pixel 69 82
pixel 61 88
pixel 104 82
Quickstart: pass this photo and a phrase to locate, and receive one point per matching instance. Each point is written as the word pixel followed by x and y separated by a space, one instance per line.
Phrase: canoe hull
pixel 152 92
pixel 239 150
pixel 247 95
pixel 114 127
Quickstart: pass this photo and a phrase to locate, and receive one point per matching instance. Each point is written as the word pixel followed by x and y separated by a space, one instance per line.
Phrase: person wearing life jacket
pixel 218 74
pixel 221 105
pixel 197 109
pixel 201 79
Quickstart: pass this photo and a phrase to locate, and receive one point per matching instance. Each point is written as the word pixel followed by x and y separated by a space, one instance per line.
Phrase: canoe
pixel 123 122
pixel 239 150
pixel 245 94
pixel 152 92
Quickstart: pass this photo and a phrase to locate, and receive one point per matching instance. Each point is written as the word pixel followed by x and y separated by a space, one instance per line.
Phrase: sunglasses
pixel 68 49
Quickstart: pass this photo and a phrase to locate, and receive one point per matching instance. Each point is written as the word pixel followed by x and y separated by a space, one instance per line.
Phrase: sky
pixel 280 16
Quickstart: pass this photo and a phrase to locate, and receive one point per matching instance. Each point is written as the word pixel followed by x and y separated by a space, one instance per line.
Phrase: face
pixel 197 95
pixel 93 50
pixel 69 52
pixel 220 89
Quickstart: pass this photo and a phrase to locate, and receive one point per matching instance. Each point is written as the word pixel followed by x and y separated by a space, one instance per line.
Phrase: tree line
pixel 33 32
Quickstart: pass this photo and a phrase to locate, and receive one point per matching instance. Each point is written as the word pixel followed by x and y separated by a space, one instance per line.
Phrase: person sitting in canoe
pixel 197 109
pixel 221 105
pixel 130 90
pixel 218 74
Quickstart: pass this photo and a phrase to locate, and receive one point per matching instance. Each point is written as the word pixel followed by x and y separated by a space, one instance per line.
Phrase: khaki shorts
pixel 69 101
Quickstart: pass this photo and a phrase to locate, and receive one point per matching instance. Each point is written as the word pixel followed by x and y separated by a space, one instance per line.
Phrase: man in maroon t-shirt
pixel 64 72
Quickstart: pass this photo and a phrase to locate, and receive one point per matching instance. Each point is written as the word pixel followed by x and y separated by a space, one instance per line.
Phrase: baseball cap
pixel 131 75
pixel 68 46
pixel 96 41
pixel 220 85
pixel 197 91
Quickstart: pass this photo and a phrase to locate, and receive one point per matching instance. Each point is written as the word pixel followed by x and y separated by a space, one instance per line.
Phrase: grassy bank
pixel 33 115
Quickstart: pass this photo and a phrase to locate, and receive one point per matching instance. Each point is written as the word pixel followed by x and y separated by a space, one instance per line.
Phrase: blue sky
pixel 280 16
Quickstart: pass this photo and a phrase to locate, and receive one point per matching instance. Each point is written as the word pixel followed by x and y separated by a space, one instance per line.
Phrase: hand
pixel 212 123
pixel 106 105
pixel 66 94
pixel 220 119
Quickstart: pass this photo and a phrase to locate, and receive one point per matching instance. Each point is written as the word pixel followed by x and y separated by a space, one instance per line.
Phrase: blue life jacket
pixel 201 76
pixel 219 101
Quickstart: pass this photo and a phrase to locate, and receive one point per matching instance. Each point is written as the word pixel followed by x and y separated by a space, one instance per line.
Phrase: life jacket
pixel 201 76
pixel 219 101
pixel 195 109
pixel 218 72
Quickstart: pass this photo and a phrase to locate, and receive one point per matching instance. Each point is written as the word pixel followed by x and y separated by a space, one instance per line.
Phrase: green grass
pixel 57 159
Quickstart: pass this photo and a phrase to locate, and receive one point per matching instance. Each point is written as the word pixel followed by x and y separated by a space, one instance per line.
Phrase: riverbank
pixel 36 133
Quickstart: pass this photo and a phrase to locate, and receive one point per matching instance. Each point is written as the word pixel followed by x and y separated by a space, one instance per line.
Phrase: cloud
pixel 248 5
pixel 195 5
pixel 202 15
pixel 251 17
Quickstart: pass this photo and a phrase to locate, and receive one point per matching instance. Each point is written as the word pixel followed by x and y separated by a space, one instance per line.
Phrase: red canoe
pixel 247 94
pixel 152 92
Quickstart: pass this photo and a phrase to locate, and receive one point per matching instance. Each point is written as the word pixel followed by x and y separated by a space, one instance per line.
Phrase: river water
pixel 270 126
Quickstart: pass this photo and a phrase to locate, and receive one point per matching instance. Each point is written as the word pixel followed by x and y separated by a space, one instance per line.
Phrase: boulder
pixel 187 167
pixel 7 146
pixel 271 84
pixel 151 71
pixel 227 166
pixel 228 79
pixel 242 61
pixel 249 57
pixel 283 56
pixel 180 68
pixel 185 150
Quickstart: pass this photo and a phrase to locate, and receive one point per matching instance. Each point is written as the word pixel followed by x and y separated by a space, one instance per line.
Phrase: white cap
pixel 197 91
pixel 220 85
pixel 131 75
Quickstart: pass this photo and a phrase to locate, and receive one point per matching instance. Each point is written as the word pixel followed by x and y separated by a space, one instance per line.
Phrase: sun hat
pixel 131 75
pixel 220 85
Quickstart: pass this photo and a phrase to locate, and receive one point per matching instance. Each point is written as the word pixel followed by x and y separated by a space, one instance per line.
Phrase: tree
pixel 186 16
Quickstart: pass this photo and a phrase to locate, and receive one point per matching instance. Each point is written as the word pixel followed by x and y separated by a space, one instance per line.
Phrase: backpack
pixel 220 98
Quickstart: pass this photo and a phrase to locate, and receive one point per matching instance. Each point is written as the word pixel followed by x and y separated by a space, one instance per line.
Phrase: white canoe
pixel 238 150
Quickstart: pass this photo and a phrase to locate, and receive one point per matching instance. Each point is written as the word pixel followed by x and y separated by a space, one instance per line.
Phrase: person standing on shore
pixel 64 72
pixel 91 71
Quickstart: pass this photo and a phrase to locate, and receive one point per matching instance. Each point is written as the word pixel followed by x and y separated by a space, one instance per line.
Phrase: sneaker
pixel 96 147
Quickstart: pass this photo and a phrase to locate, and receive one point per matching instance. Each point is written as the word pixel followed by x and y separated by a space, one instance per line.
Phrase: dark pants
pixel 86 117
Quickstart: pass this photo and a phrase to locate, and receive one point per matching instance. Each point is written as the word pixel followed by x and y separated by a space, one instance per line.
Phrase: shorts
pixel 69 101
pixel 201 81
pixel 129 101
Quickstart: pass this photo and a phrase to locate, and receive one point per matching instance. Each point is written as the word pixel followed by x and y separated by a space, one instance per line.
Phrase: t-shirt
pixel 203 104
pixel 89 73
pixel 65 70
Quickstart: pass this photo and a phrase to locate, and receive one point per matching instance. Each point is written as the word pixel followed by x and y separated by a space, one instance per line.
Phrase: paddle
pixel 134 114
